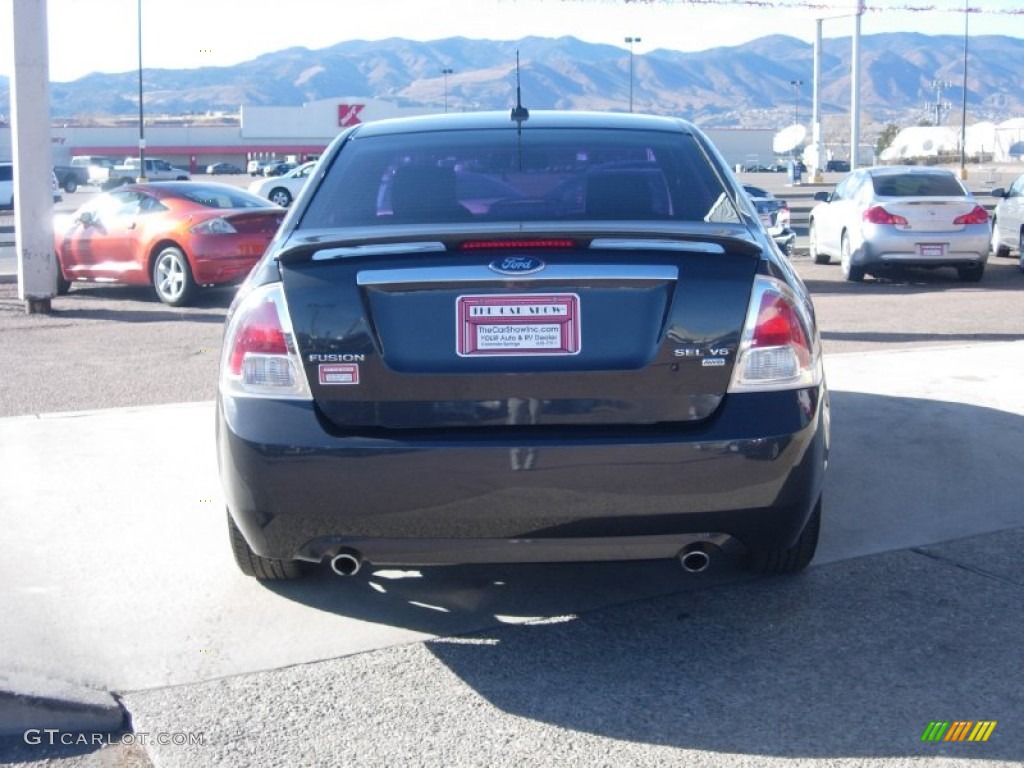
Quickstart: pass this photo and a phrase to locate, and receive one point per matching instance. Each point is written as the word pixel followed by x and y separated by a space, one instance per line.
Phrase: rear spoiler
pixel 371 241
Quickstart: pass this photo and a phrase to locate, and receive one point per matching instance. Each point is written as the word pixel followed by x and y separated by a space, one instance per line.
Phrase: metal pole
pixel 815 109
pixel 446 72
pixel 963 111
pixel 142 126
pixel 855 90
pixel 796 100
pixel 631 40
pixel 30 145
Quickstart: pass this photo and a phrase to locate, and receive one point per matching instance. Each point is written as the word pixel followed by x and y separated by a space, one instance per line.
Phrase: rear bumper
pixel 225 259
pixel 886 246
pixel 298 491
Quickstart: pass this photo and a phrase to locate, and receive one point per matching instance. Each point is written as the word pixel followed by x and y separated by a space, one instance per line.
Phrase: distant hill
pixel 745 85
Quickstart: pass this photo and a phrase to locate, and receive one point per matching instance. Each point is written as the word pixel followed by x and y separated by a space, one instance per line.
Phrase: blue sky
pixel 100 35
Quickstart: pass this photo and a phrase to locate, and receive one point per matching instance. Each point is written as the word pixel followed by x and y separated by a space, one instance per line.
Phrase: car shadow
pixel 137 304
pixel 895 337
pixel 900 281
pixel 851 659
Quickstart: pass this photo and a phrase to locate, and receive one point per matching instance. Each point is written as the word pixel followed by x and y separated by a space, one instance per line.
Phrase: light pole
pixel 446 71
pixel 963 111
pixel 142 128
pixel 796 100
pixel 854 89
pixel 631 40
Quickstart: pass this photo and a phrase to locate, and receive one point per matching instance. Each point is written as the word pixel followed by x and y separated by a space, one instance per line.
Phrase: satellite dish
pixel 789 139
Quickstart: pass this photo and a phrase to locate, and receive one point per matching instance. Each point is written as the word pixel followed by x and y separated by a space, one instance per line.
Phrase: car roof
pixel 176 188
pixel 538 119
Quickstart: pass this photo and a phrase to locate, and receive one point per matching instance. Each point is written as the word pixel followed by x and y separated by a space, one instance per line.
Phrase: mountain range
pixel 749 85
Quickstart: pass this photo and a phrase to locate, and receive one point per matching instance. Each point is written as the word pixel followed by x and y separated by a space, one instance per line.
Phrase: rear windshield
pixel 496 175
pixel 917 185
pixel 220 196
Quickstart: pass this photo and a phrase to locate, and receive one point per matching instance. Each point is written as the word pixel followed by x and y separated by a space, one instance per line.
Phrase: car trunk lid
pixel 549 331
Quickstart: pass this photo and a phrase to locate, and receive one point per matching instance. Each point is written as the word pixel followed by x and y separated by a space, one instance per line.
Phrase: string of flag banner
pixel 812 5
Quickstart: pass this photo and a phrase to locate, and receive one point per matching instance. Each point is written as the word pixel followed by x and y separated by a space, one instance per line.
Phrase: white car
pixel 7 186
pixel 900 216
pixel 283 189
pixel 1008 221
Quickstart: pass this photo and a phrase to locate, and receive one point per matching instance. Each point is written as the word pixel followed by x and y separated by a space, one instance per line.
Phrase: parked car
pixel 281 190
pixel 97 168
pixel 837 166
pixel 175 236
pixel 255 167
pixel 223 169
pixel 775 215
pixel 7 186
pixel 404 380
pixel 277 168
pixel 156 169
pixel 71 177
pixel 1008 221
pixel 905 216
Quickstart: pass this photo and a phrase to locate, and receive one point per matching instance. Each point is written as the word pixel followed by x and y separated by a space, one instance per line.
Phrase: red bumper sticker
pixel 339 373
pixel 530 324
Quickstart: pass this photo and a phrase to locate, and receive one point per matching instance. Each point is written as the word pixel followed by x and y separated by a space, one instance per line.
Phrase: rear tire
pixel 63 284
pixel 970 274
pixel 262 568
pixel 70 186
pixel 818 256
pixel 851 272
pixel 172 277
pixel 792 559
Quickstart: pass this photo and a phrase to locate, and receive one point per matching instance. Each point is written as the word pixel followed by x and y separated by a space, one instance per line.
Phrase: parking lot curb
pixel 28 702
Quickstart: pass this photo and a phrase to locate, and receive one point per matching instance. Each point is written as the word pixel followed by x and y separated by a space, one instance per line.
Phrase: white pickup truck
pixel 156 170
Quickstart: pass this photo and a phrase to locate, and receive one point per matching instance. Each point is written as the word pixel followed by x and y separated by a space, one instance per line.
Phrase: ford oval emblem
pixel 516 265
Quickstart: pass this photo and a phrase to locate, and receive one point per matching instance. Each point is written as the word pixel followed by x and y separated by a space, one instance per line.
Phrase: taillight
pixel 878 215
pixel 978 216
pixel 778 349
pixel 213 227
pixel 260 358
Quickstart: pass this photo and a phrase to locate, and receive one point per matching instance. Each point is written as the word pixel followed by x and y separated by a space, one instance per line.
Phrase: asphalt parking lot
pixel 119 577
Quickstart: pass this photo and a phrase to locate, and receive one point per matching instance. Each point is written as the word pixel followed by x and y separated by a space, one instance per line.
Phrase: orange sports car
pixel 175 236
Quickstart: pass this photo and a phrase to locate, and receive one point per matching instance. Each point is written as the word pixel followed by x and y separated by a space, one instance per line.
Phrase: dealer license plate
pixel 527 324
pixel 931 250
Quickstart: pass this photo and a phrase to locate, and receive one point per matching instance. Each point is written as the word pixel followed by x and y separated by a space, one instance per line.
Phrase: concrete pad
pixel 845 665
pixel 926 447
pixel 121 577
pixel 35 702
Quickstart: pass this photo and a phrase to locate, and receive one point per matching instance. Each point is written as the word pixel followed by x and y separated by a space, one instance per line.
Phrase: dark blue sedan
pixel 611 361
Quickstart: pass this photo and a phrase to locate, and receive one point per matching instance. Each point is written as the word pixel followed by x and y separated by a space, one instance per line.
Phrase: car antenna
pixel 520 114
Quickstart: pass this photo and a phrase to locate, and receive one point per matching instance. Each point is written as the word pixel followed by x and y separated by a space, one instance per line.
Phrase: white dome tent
pixel 1000 143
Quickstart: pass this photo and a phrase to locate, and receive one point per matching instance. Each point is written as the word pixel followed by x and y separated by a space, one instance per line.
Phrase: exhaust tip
pixel 347 563
pixel 694 559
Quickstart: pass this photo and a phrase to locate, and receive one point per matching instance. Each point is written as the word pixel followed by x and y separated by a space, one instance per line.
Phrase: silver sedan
pixel 883 217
